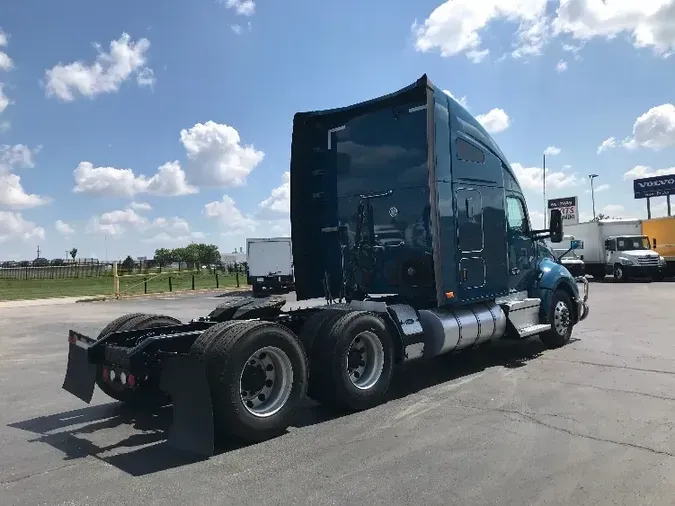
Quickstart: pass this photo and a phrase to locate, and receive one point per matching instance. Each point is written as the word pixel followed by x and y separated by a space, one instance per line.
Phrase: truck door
pixel 520 244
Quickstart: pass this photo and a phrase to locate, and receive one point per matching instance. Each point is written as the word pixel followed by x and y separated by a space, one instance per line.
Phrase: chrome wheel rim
pixel 266 382
pixel 618 273
pixel 365 360
pixel 561 318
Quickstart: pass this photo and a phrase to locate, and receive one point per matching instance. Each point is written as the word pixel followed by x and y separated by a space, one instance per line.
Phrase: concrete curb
pixel 104 298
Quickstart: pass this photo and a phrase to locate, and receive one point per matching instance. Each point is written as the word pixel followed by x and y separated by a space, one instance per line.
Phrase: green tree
pixel 179 255
pixel 163 256
pixel 192 255
pixel 128 264
pixel 208 254
pixel 73 253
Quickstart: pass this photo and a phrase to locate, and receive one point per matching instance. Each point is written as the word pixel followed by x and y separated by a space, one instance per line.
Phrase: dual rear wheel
pixel 258 371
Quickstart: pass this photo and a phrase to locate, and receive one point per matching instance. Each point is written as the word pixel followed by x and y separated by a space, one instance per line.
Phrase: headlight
pixel 627 261
pixel 662 260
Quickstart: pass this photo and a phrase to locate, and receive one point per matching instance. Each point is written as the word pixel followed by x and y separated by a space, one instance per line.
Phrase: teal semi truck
pixel 411 238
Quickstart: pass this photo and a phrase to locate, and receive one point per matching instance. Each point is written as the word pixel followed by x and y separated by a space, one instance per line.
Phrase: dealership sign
pixel 568 207
pixel 658 186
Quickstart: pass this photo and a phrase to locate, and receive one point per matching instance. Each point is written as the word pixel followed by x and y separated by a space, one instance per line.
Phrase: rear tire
pixel 147 392
pixel 353 364
pixel 257 373
pixel 560 317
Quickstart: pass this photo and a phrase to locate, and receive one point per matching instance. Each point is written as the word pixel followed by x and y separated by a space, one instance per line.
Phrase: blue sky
pixel 127 126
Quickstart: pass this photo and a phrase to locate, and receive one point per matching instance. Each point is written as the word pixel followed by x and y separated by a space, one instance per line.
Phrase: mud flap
pixel 80 373
pixel 184 379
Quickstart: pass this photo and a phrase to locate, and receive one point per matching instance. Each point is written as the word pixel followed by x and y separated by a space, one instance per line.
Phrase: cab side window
pixel 516 217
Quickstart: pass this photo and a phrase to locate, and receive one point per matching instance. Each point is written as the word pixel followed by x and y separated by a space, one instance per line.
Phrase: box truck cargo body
pixel 616 247
pixel 270 263
pixel 661 232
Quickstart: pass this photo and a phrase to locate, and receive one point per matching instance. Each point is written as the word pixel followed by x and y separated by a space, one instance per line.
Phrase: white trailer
pixel 270 264
pixel 616 247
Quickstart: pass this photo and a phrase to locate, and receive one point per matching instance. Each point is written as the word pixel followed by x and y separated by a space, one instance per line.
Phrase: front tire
pixel 353 363
pixel 619 274
pixel 560 317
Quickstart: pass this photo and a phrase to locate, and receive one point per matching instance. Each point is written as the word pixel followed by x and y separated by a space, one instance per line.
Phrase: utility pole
pixel 544 183
pixel 592 177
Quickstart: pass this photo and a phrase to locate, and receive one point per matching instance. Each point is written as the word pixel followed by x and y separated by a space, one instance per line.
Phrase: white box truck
pixel 616 247
pixel 270 264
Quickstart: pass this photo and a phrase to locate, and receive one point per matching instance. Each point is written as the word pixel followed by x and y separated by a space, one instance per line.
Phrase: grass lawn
pixel 15 289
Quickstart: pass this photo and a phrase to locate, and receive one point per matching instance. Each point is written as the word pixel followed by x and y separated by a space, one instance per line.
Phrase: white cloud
pixel 642 171
pixel 6 62
pixel 455 26
pixel 462 101
pixel 561 66
pixel 230 217
pixel 115 222
pixel 118 222
pixel 607 144
pixel 4 99
pixel 170 180
pixel 654 129
pixel 280 197
pixel 140 206
pixel 552 151
pixel 241 7
pixel 238 29
pixel 494 121
pixel 13 226
pixel 12 193
pixel 613 210
pixel 600 188
pixel 649 23
pixel 216 156
pixel 105 75
pixel 64 228
pixel 531 178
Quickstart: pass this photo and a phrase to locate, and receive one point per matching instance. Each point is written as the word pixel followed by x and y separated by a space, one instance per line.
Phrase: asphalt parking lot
pixel 591 423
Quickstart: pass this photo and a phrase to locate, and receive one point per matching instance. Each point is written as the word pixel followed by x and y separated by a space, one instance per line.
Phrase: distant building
pixel 232 258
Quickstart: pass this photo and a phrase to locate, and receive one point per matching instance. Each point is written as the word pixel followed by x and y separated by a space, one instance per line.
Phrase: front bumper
pixel 582 300
pixel 643 271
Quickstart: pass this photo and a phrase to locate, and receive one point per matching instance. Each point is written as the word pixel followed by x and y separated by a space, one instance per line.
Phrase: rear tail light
pixel 131 380
pixel 105 374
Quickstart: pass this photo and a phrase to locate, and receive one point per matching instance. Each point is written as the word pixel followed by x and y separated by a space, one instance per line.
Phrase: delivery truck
pixel 270 264
pixel 617 247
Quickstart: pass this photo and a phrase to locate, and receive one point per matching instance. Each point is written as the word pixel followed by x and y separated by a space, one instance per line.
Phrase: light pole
pixel 592 177
pixel 544 185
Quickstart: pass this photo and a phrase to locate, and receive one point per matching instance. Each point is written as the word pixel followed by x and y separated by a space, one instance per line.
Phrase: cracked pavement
pixel 590 423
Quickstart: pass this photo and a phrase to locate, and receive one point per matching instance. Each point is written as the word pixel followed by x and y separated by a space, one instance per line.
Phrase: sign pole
pixel 668 202
pixel 649 209
pixel 544 183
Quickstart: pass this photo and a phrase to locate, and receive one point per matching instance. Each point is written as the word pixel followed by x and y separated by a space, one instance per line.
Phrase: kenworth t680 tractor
pixel 411 239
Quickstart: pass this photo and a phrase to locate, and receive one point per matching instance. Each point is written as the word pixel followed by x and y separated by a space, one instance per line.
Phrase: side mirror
pixel 556 226
pixel 577 244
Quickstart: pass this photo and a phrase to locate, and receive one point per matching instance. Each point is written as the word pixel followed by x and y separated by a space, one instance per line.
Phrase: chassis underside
pixel 242 369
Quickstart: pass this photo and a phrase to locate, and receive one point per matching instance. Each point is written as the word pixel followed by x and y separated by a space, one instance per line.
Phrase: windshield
pixel 632 243
pixel 382 150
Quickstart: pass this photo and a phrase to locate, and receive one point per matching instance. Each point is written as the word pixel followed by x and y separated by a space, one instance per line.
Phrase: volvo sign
pixel 658 186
